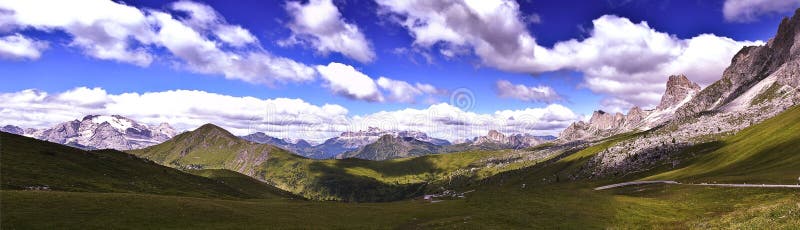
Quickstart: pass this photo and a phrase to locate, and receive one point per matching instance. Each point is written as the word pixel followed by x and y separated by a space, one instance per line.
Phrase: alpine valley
pixel 723 156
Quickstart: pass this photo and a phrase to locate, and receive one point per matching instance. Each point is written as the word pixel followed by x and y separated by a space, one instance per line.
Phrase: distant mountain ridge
pixel 513 141
pixel 346 141
pixel 391 147
pixel 100 132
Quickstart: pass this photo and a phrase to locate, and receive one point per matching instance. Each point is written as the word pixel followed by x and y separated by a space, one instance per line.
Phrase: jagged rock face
pixel 105 132
pixel 760 83
pixel 498 139
pixel 679 88
pixel 604 121
pixel 748 67
pixel 679 91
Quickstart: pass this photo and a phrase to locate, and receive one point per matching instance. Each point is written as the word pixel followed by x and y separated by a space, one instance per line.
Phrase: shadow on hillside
pixel 335 183
pixel 393 168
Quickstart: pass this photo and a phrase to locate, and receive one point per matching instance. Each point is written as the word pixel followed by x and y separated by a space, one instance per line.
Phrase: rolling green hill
pixel 211 147
pixel 30 164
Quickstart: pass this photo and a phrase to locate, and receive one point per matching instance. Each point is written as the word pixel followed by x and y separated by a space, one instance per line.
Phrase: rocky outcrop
pixel 679 91
pixel 749 66
pixel 104 132
pixel 761 82
pixel 495 139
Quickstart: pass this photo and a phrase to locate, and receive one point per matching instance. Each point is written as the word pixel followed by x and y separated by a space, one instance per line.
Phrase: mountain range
pixel 100 132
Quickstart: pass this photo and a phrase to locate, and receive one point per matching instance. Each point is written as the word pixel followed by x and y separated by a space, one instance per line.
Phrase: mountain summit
pixel 679 90
pixel 104 132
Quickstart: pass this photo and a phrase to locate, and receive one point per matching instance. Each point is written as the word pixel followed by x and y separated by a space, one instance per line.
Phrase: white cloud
pixel 631 61
pixel 320 24
pixel 202 41
pixel 402 91
pixel 493 29
pixel 450 122
pixel 281 117
pixel 19 47
pixel 347 81
pixel 205 56
pixel 184 109
pixel 204 18
pixel 750 10
pixel 102 29
pixel 623 60
pixel 541 93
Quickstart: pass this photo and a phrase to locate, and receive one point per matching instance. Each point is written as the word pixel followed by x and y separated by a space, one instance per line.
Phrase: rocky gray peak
pixel 12 129
pixel 679 87
pixel 603 121
pixel 61 132
pixel 748 67
pixel 495 137
pixel 634 118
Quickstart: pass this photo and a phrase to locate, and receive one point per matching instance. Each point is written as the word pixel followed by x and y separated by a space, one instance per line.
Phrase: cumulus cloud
pixel 19 47
pixel 750 10
pixel 541 93
pixel 402 91
pixel 452 123
pixel 281 117
pixel 346 81
pixel 202 41
pixel 493 29
pixel 204 18
pixel 320 24
pixel 632 61
pixel 184 109
pixel 626 61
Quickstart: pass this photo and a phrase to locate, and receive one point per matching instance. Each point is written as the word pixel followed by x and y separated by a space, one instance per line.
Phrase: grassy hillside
pixel 768 152
pixel 27 163
pixel 244 184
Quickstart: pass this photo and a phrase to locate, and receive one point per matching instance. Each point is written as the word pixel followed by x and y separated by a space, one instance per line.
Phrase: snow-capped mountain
pixel 102 132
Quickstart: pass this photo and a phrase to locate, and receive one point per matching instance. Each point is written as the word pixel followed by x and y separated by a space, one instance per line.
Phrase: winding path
pixel 701 184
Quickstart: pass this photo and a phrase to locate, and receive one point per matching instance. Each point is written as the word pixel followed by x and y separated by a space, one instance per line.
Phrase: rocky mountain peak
pixel 104 132
pixel 494 135
pixel 750 66
pixel 679 90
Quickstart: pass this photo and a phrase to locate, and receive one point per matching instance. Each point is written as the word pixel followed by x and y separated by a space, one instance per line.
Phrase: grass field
pixel 564 206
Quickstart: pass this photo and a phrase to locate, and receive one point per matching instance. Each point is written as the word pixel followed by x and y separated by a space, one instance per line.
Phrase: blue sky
pixel 390 47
